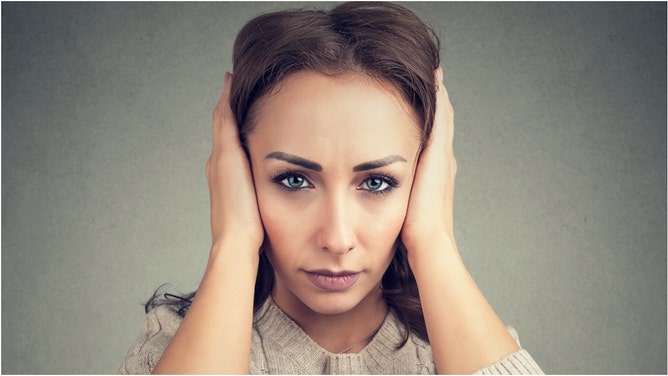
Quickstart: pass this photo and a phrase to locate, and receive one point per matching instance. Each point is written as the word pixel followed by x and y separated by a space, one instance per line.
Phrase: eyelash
pixel 391 182
pixel 278 179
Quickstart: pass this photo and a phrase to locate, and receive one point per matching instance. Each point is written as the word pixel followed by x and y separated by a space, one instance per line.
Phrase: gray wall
pixel 561 191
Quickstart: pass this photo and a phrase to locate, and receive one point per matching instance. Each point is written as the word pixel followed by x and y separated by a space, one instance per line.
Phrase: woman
pixel 331 179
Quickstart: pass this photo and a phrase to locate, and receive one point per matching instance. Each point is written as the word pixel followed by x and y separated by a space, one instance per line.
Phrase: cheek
pixel 377 224
pixel 288 224
pixel 383 222
pixel 279 219
pixel 293 224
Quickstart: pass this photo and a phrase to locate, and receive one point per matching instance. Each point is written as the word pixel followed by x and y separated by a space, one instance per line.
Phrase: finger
pixel 443 130
pixel 440 152
pixel 224 128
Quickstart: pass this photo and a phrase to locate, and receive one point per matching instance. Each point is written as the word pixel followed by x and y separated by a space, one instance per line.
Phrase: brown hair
pixel 384 41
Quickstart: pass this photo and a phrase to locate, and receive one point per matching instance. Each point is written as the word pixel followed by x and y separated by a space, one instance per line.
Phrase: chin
pixel 331 303
pixel 336 303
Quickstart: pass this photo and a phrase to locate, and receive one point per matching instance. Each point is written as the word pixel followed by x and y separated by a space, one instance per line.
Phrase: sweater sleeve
pixel 159 327
pixel 517 363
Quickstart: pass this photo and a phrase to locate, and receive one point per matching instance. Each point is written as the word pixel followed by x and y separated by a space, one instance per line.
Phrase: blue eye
pixel 375 184
pixel 379 184
pixel 292 181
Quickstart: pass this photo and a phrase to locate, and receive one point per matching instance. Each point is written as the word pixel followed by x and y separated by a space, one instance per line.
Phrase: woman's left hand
pixel 430 208
pixel 472 336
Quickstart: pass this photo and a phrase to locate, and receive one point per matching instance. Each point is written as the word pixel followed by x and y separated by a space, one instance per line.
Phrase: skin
pixel 465 333
pixel 333 225
pixel 340 218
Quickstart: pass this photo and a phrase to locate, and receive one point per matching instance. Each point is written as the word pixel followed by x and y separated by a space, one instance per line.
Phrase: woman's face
pixel 333 161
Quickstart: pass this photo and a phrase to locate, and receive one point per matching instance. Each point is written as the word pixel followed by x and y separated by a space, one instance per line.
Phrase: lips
pixel 332 281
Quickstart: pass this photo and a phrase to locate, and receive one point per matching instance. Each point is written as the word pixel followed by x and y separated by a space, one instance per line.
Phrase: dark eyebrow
pixel 299 161
pixel 378 163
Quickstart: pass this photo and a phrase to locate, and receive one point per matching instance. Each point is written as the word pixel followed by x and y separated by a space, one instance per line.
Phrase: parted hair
pixel 383 41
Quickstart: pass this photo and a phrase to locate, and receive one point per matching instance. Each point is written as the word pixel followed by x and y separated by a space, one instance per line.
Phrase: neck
pixel 338 332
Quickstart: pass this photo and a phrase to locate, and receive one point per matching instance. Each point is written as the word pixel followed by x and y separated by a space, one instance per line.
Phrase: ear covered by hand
pixel 234 211
pixel 430 208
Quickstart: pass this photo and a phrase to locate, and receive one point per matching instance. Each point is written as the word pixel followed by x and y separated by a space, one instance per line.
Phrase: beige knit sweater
pixel 280 346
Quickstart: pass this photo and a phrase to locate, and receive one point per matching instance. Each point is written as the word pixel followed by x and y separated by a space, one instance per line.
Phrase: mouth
pixel 332 281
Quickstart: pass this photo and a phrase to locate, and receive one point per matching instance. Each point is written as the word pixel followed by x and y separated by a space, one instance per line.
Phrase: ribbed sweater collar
pixel 284 339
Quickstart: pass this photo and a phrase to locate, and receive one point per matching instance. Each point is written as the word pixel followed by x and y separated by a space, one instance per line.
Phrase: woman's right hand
pixel 234 212
pixel 215 335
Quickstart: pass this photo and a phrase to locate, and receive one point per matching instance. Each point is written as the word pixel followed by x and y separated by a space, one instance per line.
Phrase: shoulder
pixel 424 358
pixel 157 331
pixel 517 363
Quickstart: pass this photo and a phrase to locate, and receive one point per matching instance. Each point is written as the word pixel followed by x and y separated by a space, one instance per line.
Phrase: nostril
pixel 337 240
pixel 338 250
pixel 337 233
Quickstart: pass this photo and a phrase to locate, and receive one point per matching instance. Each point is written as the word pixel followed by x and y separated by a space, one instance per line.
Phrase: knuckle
pixel 211 164
pixel 207 169
pixel 217 112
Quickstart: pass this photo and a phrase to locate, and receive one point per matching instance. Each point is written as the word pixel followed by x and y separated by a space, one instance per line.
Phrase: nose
pixel 336 233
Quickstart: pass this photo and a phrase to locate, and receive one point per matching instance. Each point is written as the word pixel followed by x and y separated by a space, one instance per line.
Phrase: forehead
pixel 343 114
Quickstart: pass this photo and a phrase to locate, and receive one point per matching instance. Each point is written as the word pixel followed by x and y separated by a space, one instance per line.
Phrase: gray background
pixel 561 190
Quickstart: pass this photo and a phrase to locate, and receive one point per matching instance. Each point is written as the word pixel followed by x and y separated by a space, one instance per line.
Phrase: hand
pixel 234 211
pixel 473 336
pixel 215 335
pixel 430 208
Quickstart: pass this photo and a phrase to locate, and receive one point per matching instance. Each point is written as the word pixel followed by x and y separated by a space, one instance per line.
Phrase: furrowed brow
pixel 378 163
pixel 293 159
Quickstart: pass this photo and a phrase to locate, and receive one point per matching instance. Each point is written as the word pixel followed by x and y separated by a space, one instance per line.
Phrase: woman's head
pixel 333 109
pixel 333 160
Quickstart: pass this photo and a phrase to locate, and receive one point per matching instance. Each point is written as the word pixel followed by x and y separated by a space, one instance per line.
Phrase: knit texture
pixel 280 346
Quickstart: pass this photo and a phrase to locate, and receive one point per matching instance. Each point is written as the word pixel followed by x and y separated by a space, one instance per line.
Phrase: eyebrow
pixel 378 163
pixel 299 161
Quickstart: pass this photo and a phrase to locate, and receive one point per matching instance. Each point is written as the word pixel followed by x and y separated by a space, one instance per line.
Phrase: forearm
pixel 215 335
pixel 464 331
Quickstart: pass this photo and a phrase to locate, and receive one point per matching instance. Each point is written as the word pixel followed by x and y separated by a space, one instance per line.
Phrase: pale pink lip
pixel 332 281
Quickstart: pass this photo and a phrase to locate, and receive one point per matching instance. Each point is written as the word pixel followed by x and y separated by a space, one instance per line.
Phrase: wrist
pixel 234 252
pixel 432 249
